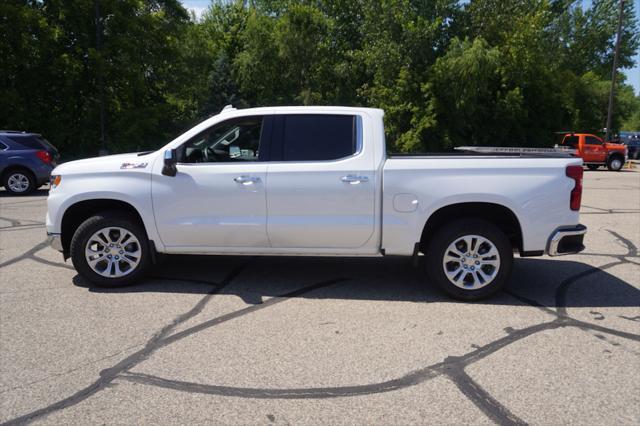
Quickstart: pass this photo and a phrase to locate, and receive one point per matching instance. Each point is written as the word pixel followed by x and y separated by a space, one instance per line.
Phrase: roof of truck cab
pixel 230 112
pixel 301 109
pixel 581 134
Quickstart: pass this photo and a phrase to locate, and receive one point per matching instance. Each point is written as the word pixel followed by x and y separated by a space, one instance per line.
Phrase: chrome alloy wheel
pixel 471 262
pixel 113 252
pixel 18 182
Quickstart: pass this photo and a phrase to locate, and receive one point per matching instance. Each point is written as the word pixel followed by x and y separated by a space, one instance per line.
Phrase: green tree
pixel 54 64
pixel 446 72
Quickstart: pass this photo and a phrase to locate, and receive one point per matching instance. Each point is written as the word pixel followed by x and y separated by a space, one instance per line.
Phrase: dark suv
pixel 26 161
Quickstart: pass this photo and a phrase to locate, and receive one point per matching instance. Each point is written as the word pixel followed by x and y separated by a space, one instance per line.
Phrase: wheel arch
pixel 13 168
pixel 501 216
pixel 615 154
pixel 80 211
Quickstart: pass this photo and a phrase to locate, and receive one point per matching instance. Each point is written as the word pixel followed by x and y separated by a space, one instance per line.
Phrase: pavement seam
pixel 473 391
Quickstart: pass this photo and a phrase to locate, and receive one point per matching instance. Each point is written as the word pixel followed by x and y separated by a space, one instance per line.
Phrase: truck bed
pixel 493 152
pixel 534 187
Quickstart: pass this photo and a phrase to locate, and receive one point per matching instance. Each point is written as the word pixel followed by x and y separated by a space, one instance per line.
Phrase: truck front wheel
pixel 615 163
pixel 110 249
pixel 469 259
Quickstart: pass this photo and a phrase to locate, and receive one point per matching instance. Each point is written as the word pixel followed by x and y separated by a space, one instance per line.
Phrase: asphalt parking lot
pixel 248 340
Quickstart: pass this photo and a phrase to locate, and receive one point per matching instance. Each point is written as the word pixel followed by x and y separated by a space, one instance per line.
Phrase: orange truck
pixel 595 152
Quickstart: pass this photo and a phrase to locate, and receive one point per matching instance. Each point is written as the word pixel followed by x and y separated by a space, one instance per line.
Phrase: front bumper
pixel 55 241
pixel 566 240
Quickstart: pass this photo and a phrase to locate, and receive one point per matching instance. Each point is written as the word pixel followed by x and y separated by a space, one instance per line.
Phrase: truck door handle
pixel 246 180
pixel 353 179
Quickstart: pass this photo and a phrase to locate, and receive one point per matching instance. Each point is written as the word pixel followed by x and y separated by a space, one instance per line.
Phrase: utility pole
pixel 103 139
pixel 613 73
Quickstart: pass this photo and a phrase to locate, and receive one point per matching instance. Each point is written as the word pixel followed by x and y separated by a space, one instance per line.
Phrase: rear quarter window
pixel 29 142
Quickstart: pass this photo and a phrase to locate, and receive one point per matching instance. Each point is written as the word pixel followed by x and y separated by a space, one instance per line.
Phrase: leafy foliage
pixel 447 72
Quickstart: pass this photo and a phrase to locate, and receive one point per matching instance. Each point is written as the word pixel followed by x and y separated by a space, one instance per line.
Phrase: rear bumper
pixel 566 240
pixel 42 173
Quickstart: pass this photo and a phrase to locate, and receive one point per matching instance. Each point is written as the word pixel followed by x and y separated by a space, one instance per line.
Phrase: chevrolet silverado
pixel 314 181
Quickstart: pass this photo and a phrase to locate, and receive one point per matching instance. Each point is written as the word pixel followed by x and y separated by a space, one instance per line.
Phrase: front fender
pixel 72 190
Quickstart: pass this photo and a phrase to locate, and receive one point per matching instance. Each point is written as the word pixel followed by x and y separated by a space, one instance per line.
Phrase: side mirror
pixel 170 160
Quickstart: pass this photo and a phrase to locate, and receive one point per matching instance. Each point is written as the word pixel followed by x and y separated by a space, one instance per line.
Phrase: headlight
pixel 55 181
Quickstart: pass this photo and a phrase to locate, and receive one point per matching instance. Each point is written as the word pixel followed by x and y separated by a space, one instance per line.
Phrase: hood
pixel 108 163
pixel 615 146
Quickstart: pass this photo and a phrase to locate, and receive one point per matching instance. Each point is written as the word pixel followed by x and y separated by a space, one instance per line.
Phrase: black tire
pixel 448 234
pixel 593 166
pixel 94 224
pixel 615 163
pixel 20 174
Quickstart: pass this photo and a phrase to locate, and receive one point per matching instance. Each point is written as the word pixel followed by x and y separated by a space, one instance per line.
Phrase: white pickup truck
pixel 313 181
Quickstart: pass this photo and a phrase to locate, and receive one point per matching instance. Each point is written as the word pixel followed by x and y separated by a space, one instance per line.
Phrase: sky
pixel 633 74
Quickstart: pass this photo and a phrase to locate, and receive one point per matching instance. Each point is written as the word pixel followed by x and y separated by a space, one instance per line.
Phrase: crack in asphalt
pixel 483 399
pixel 600 210
pixel 108 375
pixel 20 228
pixel 15 224
pixel 73 370
pixel 452 368
pixel 31 255
pixel 12 222
pixel 26 255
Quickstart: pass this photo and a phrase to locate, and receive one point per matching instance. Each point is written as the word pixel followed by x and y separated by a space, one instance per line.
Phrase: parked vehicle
pixel 632 141
pixel 595 152
pixel 633 148
pixel 26 161
pixel 314 181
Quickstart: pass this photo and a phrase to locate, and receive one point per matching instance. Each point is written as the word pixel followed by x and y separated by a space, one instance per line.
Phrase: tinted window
pixel 590 140
pixel 234 140
pixel 570 141
pixel 26 142
pixel 3 146
pixel 317 137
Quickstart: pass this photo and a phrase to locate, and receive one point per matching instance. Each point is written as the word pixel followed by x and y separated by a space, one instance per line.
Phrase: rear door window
pixel 315 137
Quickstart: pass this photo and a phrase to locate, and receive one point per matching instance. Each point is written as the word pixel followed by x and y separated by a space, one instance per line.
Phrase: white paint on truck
pixel 257 201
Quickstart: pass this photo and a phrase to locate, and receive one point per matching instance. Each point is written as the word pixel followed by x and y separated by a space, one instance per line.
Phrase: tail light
pixel 575 173
pixel 45 156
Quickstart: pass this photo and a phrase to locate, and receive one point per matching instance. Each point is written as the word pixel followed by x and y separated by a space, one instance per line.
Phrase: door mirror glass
pixel 170 160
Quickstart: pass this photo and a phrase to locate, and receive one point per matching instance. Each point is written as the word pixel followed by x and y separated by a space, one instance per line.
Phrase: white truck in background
pixel 314 181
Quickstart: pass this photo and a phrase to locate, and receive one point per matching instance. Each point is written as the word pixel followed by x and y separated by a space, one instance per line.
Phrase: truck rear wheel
pixel 110 249
pixel 469 259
